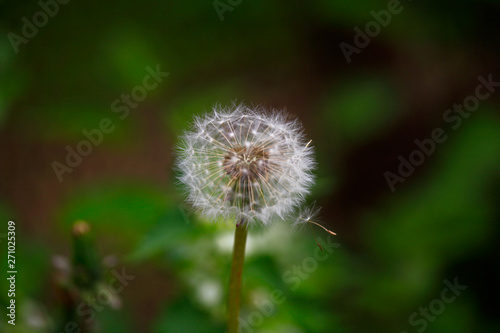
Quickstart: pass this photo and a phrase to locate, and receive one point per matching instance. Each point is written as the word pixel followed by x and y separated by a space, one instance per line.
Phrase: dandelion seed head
pixel 244 163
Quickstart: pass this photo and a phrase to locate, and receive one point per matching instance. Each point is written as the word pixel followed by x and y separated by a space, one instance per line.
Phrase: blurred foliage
pixel 361 107
pixel 135 208
pixel 395 250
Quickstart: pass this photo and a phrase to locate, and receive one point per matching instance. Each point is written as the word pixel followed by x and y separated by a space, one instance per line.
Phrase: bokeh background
pixel 394 249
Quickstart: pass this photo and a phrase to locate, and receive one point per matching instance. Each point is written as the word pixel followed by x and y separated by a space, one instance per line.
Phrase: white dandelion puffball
pixel 245 164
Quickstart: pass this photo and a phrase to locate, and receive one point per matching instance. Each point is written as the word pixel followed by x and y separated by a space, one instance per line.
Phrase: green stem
pixel 240 239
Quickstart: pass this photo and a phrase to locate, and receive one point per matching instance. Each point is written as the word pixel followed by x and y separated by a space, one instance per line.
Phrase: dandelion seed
pixel 306 216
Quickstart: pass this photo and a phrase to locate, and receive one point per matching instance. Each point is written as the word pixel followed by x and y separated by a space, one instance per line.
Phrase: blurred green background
pixel 394 249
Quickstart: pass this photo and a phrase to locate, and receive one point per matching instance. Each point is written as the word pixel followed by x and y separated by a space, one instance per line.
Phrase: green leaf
pixel 361 107
pixel 126 210
pixel 183 316
pixel 171 228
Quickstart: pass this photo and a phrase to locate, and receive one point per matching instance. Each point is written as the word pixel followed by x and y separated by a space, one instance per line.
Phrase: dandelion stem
pixel 240 239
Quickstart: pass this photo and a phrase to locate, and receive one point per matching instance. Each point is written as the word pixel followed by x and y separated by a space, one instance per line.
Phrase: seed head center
pixel 246 163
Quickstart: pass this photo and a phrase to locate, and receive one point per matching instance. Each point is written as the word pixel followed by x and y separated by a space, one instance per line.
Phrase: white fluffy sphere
pixel 245 164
